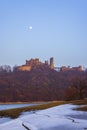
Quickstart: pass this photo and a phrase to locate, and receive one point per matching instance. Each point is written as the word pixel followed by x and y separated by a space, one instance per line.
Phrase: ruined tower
pixel 52 63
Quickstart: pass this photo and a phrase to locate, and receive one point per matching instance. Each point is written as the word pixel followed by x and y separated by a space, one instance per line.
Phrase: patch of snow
pixel 55 118
pixel 4 119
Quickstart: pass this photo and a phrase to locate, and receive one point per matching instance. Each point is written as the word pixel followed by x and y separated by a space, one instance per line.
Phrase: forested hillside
pixel 42 84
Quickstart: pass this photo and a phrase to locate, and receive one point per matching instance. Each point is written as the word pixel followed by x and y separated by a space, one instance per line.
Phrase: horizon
pixel 43 29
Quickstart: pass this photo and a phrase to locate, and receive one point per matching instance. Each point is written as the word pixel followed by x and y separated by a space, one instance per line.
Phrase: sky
pixel 43 29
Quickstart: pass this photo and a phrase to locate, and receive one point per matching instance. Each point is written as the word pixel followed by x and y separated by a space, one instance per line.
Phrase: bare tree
pixel 5 68
pixel 80 86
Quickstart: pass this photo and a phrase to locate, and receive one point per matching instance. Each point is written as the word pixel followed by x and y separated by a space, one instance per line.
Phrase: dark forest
pixel 41 84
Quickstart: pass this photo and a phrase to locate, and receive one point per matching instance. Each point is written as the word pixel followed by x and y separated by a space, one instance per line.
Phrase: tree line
pixel 41 84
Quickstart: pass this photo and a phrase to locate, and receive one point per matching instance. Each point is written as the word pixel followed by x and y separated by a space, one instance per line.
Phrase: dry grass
pixel 14 113
pixel 82 108
pixel 80 102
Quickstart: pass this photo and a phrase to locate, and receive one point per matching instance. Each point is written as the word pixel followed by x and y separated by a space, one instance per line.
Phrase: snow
pixel 4 119
pixel 55 118
pixel 10 106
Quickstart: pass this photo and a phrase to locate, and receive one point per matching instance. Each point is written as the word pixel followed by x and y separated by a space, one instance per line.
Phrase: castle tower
pixel 52 63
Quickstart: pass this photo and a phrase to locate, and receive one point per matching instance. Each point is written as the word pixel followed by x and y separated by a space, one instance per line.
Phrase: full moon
pixel 30 27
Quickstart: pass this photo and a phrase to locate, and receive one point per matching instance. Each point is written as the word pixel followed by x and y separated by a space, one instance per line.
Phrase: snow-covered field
pixel 10 106
pixel 56 118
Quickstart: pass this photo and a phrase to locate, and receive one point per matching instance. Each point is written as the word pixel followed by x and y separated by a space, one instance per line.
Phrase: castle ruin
pixel 35 62
pixel 32 63
pixel 52 63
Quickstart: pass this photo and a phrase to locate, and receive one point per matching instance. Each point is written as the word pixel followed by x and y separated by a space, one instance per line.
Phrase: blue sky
pixel 59 30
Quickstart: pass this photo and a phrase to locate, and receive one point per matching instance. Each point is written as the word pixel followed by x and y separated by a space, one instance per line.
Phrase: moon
pixel 30 27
